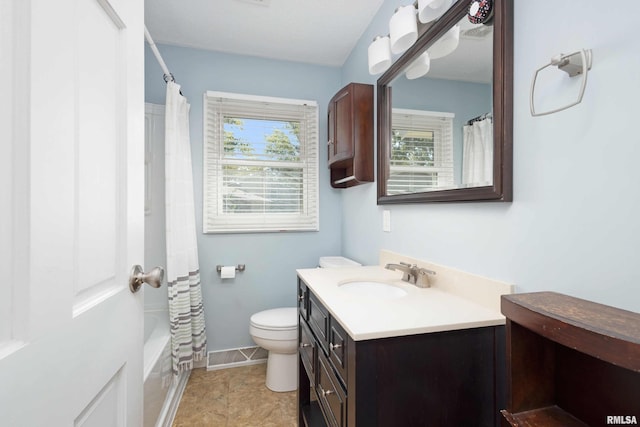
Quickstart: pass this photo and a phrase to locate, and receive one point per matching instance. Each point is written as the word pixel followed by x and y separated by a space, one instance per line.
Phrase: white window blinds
pixel 260 164
pixel 421 151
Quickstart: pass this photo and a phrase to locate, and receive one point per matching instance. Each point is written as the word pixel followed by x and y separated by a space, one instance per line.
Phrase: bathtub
pixel 158 379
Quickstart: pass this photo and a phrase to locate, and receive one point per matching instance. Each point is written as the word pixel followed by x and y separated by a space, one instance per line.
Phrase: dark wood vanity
pixel 570 362
pixel 350 133
pixel 432 379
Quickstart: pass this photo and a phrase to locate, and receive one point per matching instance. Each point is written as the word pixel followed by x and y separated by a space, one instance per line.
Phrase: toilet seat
pixel 277 319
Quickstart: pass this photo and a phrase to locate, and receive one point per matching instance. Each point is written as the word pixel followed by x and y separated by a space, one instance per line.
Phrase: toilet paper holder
pixel 239 267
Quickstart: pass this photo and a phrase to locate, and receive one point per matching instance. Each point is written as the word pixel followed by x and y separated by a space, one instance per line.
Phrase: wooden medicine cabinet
pixel 350 136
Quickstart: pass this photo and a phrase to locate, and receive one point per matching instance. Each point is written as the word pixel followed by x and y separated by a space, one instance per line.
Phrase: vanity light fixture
pixel 379 54
pixel 446 44
pixel 403 33
pixel 403 28
pixel 419 67
pixel 430 10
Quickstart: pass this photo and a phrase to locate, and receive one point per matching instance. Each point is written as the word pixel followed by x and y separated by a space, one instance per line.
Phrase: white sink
pixel 372 289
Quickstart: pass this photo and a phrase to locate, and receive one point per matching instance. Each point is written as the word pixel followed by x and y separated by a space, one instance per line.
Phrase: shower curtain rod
pixel 167 75
pixel 481 117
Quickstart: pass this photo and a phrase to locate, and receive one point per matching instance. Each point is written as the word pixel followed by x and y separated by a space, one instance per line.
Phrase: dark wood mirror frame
pixel 501 190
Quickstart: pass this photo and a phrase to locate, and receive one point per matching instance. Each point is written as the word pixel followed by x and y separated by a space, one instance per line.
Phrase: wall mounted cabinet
pixel 350 136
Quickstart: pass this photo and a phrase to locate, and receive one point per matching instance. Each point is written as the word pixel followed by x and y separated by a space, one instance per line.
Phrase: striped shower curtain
pixel 186 315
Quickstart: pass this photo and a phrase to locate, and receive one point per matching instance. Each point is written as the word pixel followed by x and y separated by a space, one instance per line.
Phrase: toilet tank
pixel 337 262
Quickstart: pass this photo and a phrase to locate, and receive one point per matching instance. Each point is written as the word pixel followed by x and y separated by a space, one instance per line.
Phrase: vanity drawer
pixel 331 394
pixel 338 349
pixel 308 351
pixel 303 299
pixel 318 320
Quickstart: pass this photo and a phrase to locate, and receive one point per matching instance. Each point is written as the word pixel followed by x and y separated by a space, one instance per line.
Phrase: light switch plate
pixel 386 221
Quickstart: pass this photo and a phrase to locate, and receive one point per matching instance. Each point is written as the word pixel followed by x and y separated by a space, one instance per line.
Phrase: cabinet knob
pixel 325 392
pixel 300 297
pixel 333 346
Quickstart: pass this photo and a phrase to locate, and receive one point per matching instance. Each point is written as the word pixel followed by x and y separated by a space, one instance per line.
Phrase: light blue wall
pixel 573 225
pixel 271 258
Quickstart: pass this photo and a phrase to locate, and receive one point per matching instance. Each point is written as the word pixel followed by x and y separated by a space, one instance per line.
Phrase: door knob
pixel 138 277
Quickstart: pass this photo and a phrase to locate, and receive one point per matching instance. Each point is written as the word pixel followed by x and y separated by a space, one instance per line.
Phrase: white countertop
pixel 422 310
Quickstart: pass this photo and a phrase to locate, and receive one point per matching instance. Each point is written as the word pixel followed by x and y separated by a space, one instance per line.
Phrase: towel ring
pixel 576 63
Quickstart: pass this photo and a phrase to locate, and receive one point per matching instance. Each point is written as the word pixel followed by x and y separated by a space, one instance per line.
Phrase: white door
pixel 71 212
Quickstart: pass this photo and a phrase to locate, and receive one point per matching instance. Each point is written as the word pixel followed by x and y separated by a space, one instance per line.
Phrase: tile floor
pixel 234 397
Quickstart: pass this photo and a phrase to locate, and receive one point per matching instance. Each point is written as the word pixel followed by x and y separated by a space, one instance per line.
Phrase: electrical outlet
pixel 386 221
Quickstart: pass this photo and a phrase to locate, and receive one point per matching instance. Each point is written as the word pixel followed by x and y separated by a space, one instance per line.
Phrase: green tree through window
pixel 253 187
pixel 261 164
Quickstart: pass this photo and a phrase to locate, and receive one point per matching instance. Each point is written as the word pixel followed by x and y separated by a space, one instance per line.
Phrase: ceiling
pixel 472 61
pixel 318 32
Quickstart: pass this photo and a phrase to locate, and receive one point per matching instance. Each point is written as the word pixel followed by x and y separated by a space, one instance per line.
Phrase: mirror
pixel 447 135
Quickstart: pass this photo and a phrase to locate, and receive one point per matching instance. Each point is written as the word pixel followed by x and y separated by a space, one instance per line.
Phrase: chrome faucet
pixel 410 273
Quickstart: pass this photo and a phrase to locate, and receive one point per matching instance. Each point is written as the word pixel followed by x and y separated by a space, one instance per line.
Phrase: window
pixel 260 164
pixel 421 151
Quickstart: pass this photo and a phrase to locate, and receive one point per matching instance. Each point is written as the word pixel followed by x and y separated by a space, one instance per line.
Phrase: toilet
pixel 337 262
pixel 276 330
